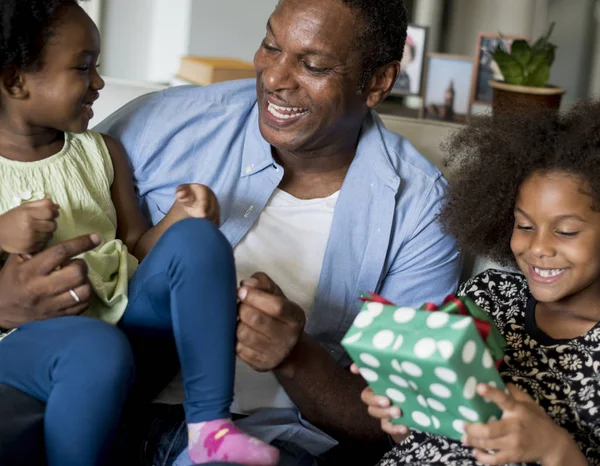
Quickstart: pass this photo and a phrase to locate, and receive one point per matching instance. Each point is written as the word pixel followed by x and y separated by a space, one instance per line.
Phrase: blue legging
pixel 82 369
pixel 186 289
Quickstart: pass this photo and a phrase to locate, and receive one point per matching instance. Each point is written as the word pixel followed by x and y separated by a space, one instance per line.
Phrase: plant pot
pixel 509 98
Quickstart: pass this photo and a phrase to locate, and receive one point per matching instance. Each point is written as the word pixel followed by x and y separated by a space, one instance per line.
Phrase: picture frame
pixel 447 83
pixel 410 79
pixel 484 67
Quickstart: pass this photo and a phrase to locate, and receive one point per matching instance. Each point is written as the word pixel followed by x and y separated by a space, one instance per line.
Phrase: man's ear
pixel 381 83
pixel 12 84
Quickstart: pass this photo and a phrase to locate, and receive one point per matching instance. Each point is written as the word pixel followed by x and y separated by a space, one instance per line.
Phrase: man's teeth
pixel 546 273
pixel 285 112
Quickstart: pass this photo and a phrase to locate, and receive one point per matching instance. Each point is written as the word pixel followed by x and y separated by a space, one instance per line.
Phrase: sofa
pixel 22 417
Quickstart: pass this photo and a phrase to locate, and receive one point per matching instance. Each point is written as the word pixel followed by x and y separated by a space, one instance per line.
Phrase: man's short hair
pixel 382 36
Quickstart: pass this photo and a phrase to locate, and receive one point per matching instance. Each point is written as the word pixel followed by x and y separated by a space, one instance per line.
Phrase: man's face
pixel 308 68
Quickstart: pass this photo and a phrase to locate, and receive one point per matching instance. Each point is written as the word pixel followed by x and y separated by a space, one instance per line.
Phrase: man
pixel 318 200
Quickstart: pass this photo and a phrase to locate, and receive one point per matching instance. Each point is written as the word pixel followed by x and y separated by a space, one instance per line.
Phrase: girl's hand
pixel 380 407
pixel 197 201
pixel 27 228
pixel 526 433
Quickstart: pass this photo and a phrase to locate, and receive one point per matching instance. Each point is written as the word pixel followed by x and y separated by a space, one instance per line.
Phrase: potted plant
pixel 526 70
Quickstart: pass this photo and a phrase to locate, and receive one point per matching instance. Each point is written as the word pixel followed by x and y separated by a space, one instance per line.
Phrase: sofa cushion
pixel 21 428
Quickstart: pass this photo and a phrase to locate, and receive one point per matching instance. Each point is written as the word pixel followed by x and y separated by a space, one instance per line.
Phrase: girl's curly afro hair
pixel 490 158
pixel 25 27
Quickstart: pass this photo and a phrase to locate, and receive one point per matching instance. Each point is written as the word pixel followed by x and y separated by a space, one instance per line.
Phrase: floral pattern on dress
pixel 563 376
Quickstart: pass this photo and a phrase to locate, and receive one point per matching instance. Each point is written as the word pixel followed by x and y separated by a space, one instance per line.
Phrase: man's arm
pixel 327 394
pixel 271 337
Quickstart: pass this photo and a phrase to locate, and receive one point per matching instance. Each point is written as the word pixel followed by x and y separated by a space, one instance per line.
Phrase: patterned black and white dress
pixel 563 376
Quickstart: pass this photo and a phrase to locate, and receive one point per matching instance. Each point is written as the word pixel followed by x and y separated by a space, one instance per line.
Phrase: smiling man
pixel 317 198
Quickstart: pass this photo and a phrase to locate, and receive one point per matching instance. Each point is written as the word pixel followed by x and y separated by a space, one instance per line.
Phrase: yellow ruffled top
pixel 78 179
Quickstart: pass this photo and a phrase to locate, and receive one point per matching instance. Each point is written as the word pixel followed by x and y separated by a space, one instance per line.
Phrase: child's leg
pixel 82 368
pixel 186 286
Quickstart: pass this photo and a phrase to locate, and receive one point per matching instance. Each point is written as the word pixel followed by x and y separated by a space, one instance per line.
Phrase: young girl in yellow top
pixel 58 181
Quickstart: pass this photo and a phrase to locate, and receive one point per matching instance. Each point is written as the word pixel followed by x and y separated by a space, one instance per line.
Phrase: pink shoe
pixel 221 440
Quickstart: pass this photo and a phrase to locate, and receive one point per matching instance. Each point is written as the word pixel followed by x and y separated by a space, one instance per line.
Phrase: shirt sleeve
pixel 129 125
pixel 428 266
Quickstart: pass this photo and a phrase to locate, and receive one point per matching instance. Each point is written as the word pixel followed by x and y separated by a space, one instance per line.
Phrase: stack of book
pixel 208 70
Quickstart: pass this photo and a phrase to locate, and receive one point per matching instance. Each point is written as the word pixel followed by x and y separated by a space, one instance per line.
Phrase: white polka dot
pixel 469 388
pixel 447 375
pixel 462 323
pixel 469 351
pixel 492 419
pixel 413 385
pixel 363 319
pixel 436 422
pixel 459 426
pixel 353 339
pixel 398 342
pixel 421 419
pixel 404 314
pixel 396 365
pixel 411 369
pixel 487 360
pixel 383 339
pixel 446 348
pixel 370 360
pixel 399 381
pixel 468 413
pixel 492 384
pixel 440 390
pixel 374 309
pixel 437 319
pixel 368 374
pixel 421 401
pixel 395 395
pixel 437 405
pixel 424 348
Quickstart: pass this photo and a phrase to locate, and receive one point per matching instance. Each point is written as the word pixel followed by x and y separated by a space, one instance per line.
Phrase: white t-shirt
pixel 288 244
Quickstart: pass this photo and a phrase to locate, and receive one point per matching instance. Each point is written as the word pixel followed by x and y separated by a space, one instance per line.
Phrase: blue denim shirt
pixel 384 236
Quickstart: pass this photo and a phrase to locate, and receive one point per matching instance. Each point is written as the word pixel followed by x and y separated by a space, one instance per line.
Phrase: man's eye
pixel 269 48
pixel 82 68
pixel 314 69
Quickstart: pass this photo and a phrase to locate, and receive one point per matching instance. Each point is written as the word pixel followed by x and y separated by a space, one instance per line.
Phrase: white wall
pixel 144 39
pixel 126 33
pixel 228 28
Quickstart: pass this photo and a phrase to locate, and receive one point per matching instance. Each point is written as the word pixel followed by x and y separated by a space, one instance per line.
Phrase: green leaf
pixel 511 69
pixel 539 77
pixel 521 52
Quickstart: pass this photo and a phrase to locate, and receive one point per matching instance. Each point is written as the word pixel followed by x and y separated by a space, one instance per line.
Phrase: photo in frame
pixel 484 66
pixel 411 67
pixel 447 87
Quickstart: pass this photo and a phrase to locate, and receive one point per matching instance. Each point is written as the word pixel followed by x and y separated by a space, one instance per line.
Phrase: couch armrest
pixel 21 428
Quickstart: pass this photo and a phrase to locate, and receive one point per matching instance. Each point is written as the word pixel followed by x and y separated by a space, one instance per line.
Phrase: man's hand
pixel 27 228
pixel 380 408
pixel 524 434
pixel 269 325
pixel 35 290
pixel 197 201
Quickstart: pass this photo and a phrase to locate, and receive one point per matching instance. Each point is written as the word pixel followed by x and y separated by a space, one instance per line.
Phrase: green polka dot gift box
pixel 428 361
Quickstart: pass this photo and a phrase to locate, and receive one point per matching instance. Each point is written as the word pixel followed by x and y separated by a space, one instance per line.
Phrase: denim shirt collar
pixel 371 150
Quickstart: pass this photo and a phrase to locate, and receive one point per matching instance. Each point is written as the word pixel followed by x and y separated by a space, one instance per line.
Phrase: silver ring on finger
pixel 75 297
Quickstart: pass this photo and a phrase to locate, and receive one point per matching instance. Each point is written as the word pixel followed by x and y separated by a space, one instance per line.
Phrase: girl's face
pixel 62 92
pixel 556 238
